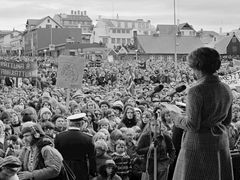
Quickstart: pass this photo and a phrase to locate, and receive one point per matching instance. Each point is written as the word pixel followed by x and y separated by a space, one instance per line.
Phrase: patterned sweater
pixel 123 164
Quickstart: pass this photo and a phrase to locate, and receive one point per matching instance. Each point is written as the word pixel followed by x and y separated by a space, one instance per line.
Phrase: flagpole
pixel 175 37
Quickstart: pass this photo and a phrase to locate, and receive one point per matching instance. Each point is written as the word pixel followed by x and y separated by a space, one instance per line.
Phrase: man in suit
pixel 77 148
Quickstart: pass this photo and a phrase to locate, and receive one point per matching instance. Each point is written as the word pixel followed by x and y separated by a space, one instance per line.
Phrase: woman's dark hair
pixel 103 172
pixel 204 59
pixel 129 122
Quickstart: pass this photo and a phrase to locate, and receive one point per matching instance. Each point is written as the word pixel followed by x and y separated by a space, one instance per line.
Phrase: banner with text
pixel 18 69
pixel 70 71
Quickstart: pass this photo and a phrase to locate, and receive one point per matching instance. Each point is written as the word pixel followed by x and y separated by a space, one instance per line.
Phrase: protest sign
pixel 18 69
pixel 70 71
pixel 236 63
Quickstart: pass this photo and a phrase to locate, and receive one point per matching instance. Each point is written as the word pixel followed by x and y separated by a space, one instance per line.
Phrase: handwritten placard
pixel 70 71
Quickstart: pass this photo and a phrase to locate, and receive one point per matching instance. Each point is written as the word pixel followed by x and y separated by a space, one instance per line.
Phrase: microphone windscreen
pixel 180 88
pixel 158 88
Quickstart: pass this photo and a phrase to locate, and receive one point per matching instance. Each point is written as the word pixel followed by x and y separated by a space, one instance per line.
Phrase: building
pixel 208 36
pixel 115 32
pixel 46 22
pixel 162 47
pixel 227 45
pixel 50 41
pixel 11 43
pixel 77 19
pixel 183 29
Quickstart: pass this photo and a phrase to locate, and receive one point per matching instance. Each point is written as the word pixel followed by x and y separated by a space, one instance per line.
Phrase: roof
pixel 35 22
pixel 166 29
pixel 221 45
pixel 76 17
pixel 165 44
pixel 181 26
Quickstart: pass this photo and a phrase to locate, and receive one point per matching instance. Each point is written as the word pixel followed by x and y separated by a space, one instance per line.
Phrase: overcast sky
pixel 206 14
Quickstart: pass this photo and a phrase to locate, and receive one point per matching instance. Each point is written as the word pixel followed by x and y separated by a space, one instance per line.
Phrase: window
pixel 118 31
pixel 128 40
pixel 48 20
pixel 139 25
pixel 123 31
pixel 123 41
pixel 48 26
pixel 182 33
pixel 127 31
pixel 113 40
pixel 126 24
pixel 118 40
pixel 56 26
pixel 113 30
pixel 70 22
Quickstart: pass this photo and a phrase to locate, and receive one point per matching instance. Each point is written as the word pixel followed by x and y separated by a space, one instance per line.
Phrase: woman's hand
pixel 24 175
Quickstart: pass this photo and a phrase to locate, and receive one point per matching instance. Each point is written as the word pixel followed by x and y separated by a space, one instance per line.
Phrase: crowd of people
pixel 116 111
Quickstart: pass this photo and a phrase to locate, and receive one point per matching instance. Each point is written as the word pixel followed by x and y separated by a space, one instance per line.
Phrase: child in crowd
pixel 99 136
pixel 104 124
pixel 122 160
pixel 108 171
pixel 101 153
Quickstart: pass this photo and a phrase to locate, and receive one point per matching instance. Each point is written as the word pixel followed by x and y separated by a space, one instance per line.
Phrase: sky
pixel 201 14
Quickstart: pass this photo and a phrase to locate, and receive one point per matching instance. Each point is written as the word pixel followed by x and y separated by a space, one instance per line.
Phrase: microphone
pixel 177 90
pixel 157 89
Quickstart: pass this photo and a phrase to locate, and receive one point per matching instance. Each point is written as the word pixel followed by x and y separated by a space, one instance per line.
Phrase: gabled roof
pixel 166 29
pixel 165 44
pixel 36 22
pixel 221 45
pixel 183 25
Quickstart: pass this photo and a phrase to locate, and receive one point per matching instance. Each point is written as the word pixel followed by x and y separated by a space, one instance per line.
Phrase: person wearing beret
pixel 77 147
pixel 9 167
pixel 205 152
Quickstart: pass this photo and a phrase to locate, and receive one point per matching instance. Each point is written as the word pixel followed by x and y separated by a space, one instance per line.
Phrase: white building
pixel 11 43
pixel 115 32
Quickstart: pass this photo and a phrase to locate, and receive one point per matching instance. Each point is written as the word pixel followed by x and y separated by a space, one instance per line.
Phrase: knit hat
pixel 118 104
pixel 44 110
pixel 33 129
pixel 10 161
pixel 110 162
pixel 77 94
pixel 46 96
pixel 101 144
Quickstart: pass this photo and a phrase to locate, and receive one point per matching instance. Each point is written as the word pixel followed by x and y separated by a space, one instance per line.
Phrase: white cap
pixel 77 117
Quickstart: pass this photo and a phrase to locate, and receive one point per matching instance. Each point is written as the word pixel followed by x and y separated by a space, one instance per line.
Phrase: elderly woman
pixel 205 150
pixel 40 160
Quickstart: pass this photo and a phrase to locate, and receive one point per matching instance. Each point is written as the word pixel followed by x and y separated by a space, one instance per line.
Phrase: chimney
pixel 78 12
pixel 85 13
pixel 72 12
